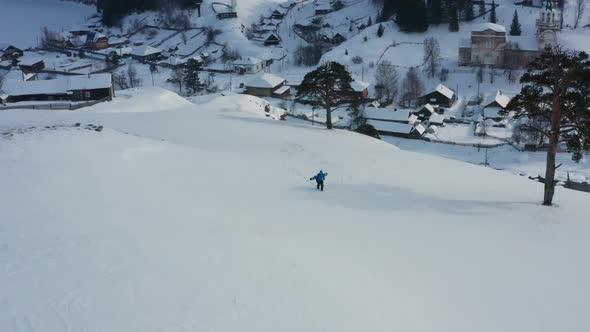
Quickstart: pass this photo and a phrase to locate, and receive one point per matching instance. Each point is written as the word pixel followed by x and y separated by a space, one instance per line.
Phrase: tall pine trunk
pixel 552 151
pixel 329 117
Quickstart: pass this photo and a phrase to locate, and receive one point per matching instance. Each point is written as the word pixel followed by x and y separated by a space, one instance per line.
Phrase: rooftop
pixel 488 26
pixel 266 81
pixel 145 50
pixel 60 85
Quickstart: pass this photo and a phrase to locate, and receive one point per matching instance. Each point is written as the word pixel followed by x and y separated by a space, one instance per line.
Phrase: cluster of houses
pixel 266 31
pixel 489 45
pixel 431 114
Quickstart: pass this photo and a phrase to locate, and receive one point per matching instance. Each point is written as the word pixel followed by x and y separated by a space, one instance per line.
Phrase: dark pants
pixel 320 185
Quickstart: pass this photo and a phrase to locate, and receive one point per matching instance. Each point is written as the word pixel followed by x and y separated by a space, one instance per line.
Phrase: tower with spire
pixel 548 24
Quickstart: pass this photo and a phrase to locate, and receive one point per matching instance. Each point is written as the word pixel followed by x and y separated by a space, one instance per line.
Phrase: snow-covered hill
pixel 201 217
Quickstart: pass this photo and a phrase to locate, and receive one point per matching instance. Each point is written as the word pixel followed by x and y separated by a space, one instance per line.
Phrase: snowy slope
pixel 201 218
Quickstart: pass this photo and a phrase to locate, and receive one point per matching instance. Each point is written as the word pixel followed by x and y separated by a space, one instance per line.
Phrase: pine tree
pixel 482 8
pixel 454 22
pixel 493 12
pixel 556 89
pixel 412 16
pixel 469 10
pixel 435 11
pixel 515 26
pixel 191 76
pixel 329 85
pixel 369 22
pixel 380 30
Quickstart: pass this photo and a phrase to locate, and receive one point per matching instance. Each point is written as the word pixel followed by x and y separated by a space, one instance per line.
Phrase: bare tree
pixel 412 87
pixel 134 80
pixel 120 81
pixel 579 11
pixel 386 81
pixel 431 56
pixel 49 37
pixel 177 77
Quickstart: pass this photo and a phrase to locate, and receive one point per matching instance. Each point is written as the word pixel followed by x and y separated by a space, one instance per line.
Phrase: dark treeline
pixel 416 15
pixel 114 10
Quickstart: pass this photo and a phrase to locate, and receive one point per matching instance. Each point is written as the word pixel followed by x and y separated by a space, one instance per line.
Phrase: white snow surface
pixel 201 218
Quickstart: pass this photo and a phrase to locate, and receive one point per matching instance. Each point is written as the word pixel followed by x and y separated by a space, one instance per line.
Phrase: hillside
pixel 201 217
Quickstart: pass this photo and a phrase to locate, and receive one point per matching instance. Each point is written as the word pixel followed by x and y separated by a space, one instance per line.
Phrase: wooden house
pixel 31 67
pixel 360 88
pixel 11 53
pixel 267 85
pixel 424 112
pixel 96 41
pixel 146 53
pixel 271 38
pixel 441 96
pixel 67 88
pixel 404 130
pixel 338 38
pixel 249 65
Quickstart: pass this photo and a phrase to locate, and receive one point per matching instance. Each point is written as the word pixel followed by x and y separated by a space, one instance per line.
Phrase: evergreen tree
pixel 435 11
pixel 369 22
pixel 191 76
pixel 556 89
pixel 493 12
pixel 515 26
pixel 329 85
pixel 389 8
pixel 482 8
pixel 468 10
pixel 412 16
pixel 380 30
pixel 454 21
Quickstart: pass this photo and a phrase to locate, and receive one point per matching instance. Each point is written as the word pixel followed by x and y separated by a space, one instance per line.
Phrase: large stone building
pixel 490 45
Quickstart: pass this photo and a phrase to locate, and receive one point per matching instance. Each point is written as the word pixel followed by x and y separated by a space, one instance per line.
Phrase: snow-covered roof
pixel 488 26
pixel 249 61
pixel 445 91
pixel 270 34
pixel 420 129
pixel 436 118
pixel 429 107
pixel 526 43
pixel 266 81
pixel 282 90
pixel 412 119
pixel 94 36
pixel 386 114
pixel 501 98
pixel 117 40
pixel 145 50
pixel 60 85
pixel 392 127
pixel 359 86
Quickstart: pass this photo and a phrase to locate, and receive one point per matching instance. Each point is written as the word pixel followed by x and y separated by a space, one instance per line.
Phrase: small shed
pixel 338 38
pixel 441 96
pixel 267 85
pixel 424 112
pixel 31 66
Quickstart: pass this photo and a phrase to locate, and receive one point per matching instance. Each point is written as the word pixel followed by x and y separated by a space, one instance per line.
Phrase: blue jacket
pixel 321 176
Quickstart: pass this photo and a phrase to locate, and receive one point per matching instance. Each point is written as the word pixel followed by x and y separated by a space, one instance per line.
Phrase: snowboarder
pixel 319 179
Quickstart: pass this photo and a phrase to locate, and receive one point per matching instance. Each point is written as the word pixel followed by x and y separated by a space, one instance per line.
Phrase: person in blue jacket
pixel 319 179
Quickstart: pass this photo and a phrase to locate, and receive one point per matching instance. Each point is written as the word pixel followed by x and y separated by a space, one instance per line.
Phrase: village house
pixel 337 38
pixel 249 65
pixel 489 44
pixel 441 96
pixel 390 115
pixel 278 14
pixel 11 53
pixel 67 88
pixel 267 85
pixel 146 53
pixel 96 41
pixel 271 38
pixel 424 112
pixel 397 129
pixel 31 67
pixel 495 109
pixel 360 88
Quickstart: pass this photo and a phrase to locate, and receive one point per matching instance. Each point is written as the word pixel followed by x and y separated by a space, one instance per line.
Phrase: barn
pixel 441 96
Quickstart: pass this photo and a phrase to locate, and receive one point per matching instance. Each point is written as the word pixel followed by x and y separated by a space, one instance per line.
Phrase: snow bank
pixel 145 99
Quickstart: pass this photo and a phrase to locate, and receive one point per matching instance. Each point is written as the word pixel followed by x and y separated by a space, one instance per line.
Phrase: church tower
pixel 548 24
